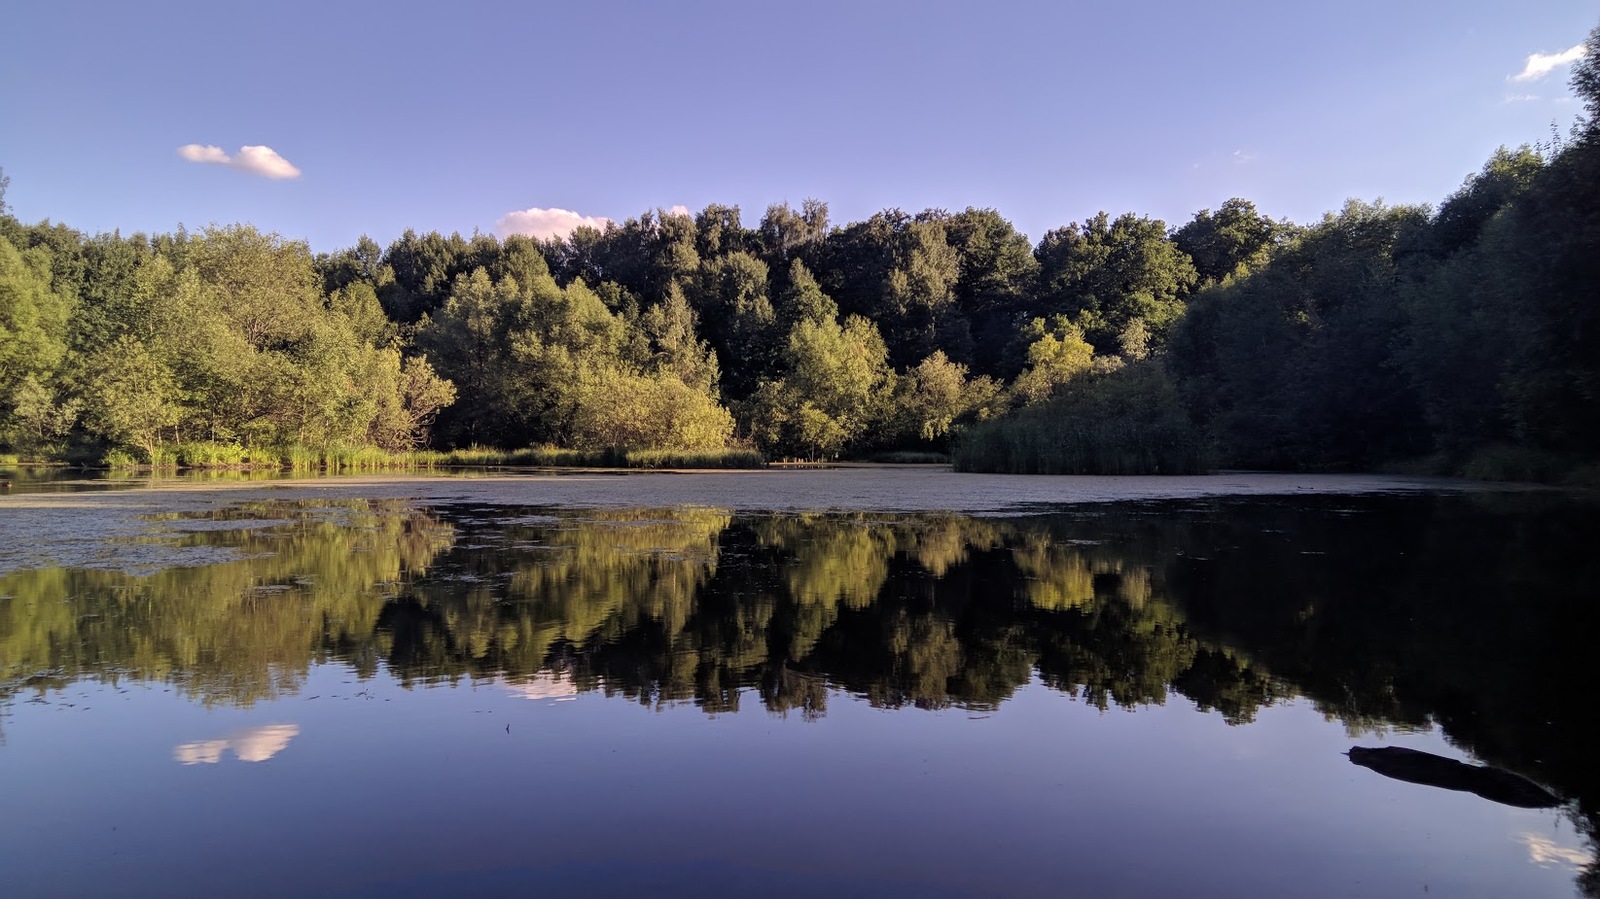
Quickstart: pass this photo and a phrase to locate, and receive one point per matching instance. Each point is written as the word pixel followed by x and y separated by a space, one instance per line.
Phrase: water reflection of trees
pixel 236 632
pixel 681 605
pixel 1468 614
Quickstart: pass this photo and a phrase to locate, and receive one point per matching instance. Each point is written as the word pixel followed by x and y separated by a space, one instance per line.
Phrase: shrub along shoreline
pixel 222 457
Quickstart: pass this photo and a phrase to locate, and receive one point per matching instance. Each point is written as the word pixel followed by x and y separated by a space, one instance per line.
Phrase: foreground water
pixel 842 682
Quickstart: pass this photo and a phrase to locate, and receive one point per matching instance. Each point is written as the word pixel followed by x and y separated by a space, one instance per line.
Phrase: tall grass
pixel 1122 422
pixel 909 457
pixel 296 458
pixel 694 458
pixel 1030 444
pixel 120 460
pixel 212 455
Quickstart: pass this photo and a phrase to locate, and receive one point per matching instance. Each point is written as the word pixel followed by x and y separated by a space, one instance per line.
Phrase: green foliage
pixel 40 419
pixel 933 396
pixel 732 296
pixel 1111 274
pixel 211 455
pixel 901 273
pixel 1508 462
pixel 1229 243
pixel 908 457
pixel 610 457
pixel 673 330
pixel 786 232
pixel 539 362
pixel 835 383
pixel 1122 421
pixel 1292 366
pixel 614 409
pixel 132 396
pixel 33 332
pixel 1057 353
pixel 694 458
pixel 119 460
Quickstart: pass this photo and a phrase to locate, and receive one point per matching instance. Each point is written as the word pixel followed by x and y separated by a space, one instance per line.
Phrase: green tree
pixel 718 230
pixel 1293 365
pixel 672 329
pixel 732 298
pixel 424 268
pixel 786 232
pixel 835 382
pixel 936 393
pixel 622 410
pixel 900 272
pixel 1121 279
pixel 33 331
pixel 1463 215
pixel 1057 353
pixel 131 396
pixel 1230 242
pixel 998 274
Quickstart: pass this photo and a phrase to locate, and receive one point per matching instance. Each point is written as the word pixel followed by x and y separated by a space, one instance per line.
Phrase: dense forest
pixel 1463 338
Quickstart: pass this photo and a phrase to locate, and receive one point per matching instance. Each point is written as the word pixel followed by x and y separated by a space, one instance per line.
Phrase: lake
pixel 889 681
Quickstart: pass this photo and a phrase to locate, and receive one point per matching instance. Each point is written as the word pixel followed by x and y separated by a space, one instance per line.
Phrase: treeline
pixel 1462 338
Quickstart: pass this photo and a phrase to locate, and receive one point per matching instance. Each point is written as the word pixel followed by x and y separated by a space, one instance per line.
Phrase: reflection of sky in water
pixel 543 687
pixel 433 788
pixel 252 744
pixel 1544 851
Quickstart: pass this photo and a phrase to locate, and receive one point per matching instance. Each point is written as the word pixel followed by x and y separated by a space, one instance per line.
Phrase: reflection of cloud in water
pixel 542 686
pixel 253 744
pixel 1544 851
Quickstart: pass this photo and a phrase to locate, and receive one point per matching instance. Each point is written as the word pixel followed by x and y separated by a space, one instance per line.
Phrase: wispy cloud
pixel 547 223
pixel 1520 98
pixel 1542 64
pixel 263 161
pixel 1240 157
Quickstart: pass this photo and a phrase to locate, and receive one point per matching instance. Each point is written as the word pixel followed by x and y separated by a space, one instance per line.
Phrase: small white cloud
pixel 263 161
pixel 197 153
pixel 547 223
pixel 1542 64
pixel 1240 157
pixel 1520 98
pixel 680 210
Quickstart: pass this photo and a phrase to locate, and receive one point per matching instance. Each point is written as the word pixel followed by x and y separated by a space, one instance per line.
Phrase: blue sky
pixel 450 116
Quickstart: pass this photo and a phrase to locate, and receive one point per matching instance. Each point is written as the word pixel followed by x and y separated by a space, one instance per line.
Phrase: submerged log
pixel 1493 784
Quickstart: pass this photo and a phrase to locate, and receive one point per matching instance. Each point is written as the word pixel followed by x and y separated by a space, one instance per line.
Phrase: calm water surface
pixel 328 694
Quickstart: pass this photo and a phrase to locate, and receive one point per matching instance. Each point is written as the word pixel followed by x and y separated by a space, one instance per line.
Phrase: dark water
pixel 28 479
pixel 399 698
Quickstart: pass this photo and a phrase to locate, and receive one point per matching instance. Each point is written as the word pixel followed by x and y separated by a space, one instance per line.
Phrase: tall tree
pixel 1122 279
pixel 33 334
pixel 998 273
pixel 1230 242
